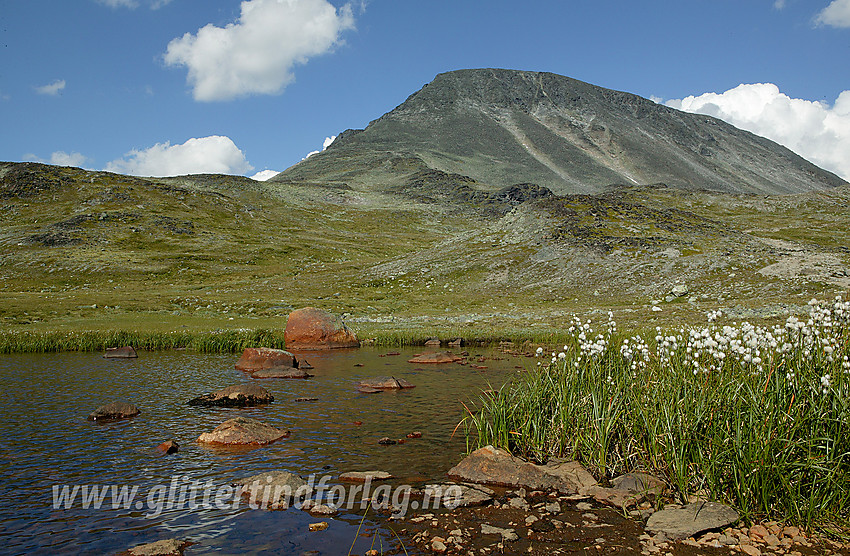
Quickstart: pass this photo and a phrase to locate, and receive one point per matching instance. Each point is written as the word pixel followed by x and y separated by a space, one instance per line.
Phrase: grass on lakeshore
pixel 755 417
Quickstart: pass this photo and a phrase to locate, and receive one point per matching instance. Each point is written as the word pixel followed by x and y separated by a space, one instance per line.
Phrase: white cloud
pixel 837 14
pixel 325 144
pixel 812 129
pixel 206 155
pixel 264 175
pixel 779 5
pixel 61 158
pixel 256 54
pixel 52 89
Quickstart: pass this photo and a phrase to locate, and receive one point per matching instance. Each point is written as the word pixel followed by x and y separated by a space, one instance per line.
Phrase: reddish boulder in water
pixel 281 372
pixel 168 447
pixel 255 359
pixel 310 328
pixel 126 352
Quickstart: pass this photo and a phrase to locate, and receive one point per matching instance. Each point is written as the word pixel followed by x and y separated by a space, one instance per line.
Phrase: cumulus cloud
pixel 814 130
pixel 52 89
pixel 325 144
pixel 256 54
pixel 206 155
pixel 837 14
pixel 779 5
pixel 264 175
pixel 61 158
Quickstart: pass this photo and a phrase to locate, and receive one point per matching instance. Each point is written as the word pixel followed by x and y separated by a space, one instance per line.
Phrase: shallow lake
pixel 47 444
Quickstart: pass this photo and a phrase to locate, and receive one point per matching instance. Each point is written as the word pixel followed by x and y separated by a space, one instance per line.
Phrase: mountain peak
pixel 502 127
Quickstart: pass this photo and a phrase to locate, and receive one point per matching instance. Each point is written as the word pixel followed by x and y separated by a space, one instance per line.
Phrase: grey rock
pixel 281 372
pixel 507 534
pixel 238 395
pixel 114 411
pixel 168 547
pixel 453 495
pixel 681 523
pixel 243 430
pixel 642 483
pixel 126 352
pixel 274 489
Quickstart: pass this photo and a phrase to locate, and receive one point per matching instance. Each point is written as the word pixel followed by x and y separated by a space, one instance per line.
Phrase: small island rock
pixel 238 395
pixel 255 359
pixel 126 352
pixel 243 430
pixel 114 411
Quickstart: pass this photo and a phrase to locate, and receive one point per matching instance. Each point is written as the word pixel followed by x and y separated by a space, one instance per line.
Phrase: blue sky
pixel 164 87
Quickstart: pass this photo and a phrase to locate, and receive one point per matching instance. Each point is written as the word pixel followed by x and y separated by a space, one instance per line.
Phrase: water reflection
pixel 47 441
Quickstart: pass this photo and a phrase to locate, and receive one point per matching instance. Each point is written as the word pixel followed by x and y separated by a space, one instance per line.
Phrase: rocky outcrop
pixel 243 431
pixel 126 352
pixel 384 383
pixel 436 357
pixel 682 522
pixel 238 395
pixel 315 329
pixel 255 359
pixel 114 411
pixel 281 372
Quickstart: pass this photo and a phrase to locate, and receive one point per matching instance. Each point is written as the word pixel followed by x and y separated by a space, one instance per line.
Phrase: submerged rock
pixel 456 496
pixel 238 395
pixel 126 352
pixel 168 547
pixel 255 359
pixel 363 476
pixel 281 372
pixel 436 357
pixel 384 383
pixel 243 430
pixel 274 489
pixel 114 411
pixel 310 328
pixel 688 521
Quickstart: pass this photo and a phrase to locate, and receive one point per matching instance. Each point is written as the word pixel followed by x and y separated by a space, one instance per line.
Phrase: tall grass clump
pixel 755 417
pixel 218 341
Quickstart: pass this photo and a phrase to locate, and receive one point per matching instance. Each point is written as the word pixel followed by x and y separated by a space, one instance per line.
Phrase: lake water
pixel 47 444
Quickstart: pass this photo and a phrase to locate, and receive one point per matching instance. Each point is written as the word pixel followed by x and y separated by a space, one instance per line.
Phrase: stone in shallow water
pixel 362 476
pixel 243 430
pixel 274 489
pixel 453 495
pixel 436 357
pixel 254 359
pixel 114 411
pixel 238 395
pixel 681 523
pixel 126 352
pixel 281 372
pixel 168 547
pixel 384 383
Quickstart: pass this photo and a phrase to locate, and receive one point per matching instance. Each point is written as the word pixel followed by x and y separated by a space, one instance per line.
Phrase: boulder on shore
pixel 281 372
pixel 126 352
pixel 114 411
pixel 255 359
pixel 682 522
pixel 489 465
pixel 384 383
pixel 314 329
pixel 436 357
pixel 238 395
pixel 243 430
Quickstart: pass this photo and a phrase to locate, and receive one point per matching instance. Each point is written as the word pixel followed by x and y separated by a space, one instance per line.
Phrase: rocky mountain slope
pixel 490 200
pixel 503 127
